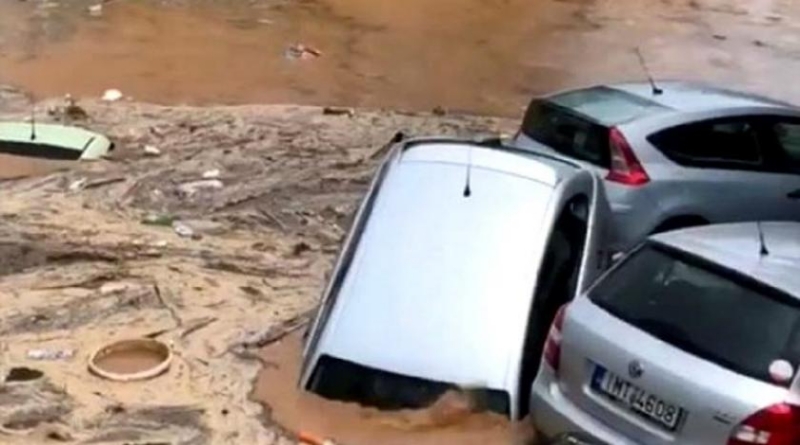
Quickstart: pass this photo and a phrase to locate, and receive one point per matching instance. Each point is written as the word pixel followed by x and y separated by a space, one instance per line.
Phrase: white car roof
pixel 441 284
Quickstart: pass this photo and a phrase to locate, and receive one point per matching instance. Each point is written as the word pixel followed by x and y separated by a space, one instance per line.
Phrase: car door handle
pixel 794 195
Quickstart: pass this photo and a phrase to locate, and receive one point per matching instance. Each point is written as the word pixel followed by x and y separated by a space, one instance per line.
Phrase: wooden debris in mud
pixel 93 280
pixel 338 111
pixel 272 217
pixel 275 333
pixel 165 300
pixel 384 149
pixel 255 266
pixel 197 325
pixel 102 181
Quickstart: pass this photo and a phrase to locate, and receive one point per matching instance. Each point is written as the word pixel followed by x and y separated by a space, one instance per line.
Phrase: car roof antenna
pixel 33 120
pixel 763 251
pixel 656 90
pixel 467 189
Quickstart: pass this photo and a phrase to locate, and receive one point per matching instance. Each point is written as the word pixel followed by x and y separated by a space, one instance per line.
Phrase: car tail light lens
pixel 625 168
pixel 777 425
pixel 552 346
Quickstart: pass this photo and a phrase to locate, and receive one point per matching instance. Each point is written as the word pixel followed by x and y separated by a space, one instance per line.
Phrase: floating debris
pixel 338 111
pixel 183 230
pixel 300 51
pixel 96 10
pixel 51 354
pixel 158 220
pixel 211 174
pixel 150 150
pixel 112 95
pixel 77 185
pixel 190 188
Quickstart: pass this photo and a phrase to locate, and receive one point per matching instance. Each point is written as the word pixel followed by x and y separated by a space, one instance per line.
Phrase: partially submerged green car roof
pixel 52 141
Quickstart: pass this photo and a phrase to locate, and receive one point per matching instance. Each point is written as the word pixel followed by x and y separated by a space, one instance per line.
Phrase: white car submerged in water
pixel 455 264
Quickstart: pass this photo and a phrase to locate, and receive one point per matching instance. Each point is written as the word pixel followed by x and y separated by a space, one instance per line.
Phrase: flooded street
pixel 209 226
pixel 482 56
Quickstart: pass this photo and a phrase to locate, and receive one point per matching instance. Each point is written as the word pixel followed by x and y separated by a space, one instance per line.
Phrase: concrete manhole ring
pixel 132 359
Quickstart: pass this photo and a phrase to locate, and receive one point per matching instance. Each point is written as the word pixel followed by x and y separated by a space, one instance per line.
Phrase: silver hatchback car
pixel 454 267
pixel 678 156
pixel 693 338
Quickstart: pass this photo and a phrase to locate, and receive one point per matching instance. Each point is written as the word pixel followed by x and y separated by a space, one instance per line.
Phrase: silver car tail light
pixel 552 346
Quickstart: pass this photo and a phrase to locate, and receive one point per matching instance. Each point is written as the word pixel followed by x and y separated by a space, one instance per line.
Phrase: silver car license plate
pixel 636 399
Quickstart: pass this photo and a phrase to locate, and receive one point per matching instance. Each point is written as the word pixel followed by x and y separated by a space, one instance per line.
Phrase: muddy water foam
pixel 448 422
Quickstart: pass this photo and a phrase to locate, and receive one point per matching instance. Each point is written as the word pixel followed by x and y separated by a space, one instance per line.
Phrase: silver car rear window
pixel 577 123
pixel 704 310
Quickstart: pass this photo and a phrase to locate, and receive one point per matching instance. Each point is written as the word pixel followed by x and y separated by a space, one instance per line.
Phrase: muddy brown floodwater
pixel 18 166
pixel 448 422
pixel 485 56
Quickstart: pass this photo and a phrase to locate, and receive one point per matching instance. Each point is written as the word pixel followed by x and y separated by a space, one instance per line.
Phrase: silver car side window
pixel 720 143
pixel 788 135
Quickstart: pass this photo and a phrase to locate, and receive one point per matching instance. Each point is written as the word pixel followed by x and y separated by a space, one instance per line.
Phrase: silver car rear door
pixel 724 171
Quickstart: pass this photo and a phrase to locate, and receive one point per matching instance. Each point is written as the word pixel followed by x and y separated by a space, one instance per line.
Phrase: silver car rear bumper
pixel 554 414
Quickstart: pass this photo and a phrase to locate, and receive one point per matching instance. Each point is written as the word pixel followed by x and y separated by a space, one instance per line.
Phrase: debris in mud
pixel 301 248
pixel 31 403
pixel 174 425
pixel 183 230
pixel 159 220
pixel 197 325
pixel 338 111
pixel 151 150
pixel 300 51
pixel 96 10
pixel 188 189
pixel 23 374
pixel 77 185
pixel 275 333
pixel 51 354
pixel 72 110
pixel 112 95
pixel 99 182
pixel 78 311
pixel 307 438
pixel 211 174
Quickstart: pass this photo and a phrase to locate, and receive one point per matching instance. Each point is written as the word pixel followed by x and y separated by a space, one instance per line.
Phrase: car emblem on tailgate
pixel 635 369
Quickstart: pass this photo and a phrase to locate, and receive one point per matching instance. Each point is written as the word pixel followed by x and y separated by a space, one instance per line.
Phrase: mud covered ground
pixel 89 255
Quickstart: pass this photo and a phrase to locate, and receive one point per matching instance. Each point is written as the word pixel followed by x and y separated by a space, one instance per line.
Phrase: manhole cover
pixel 128 360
